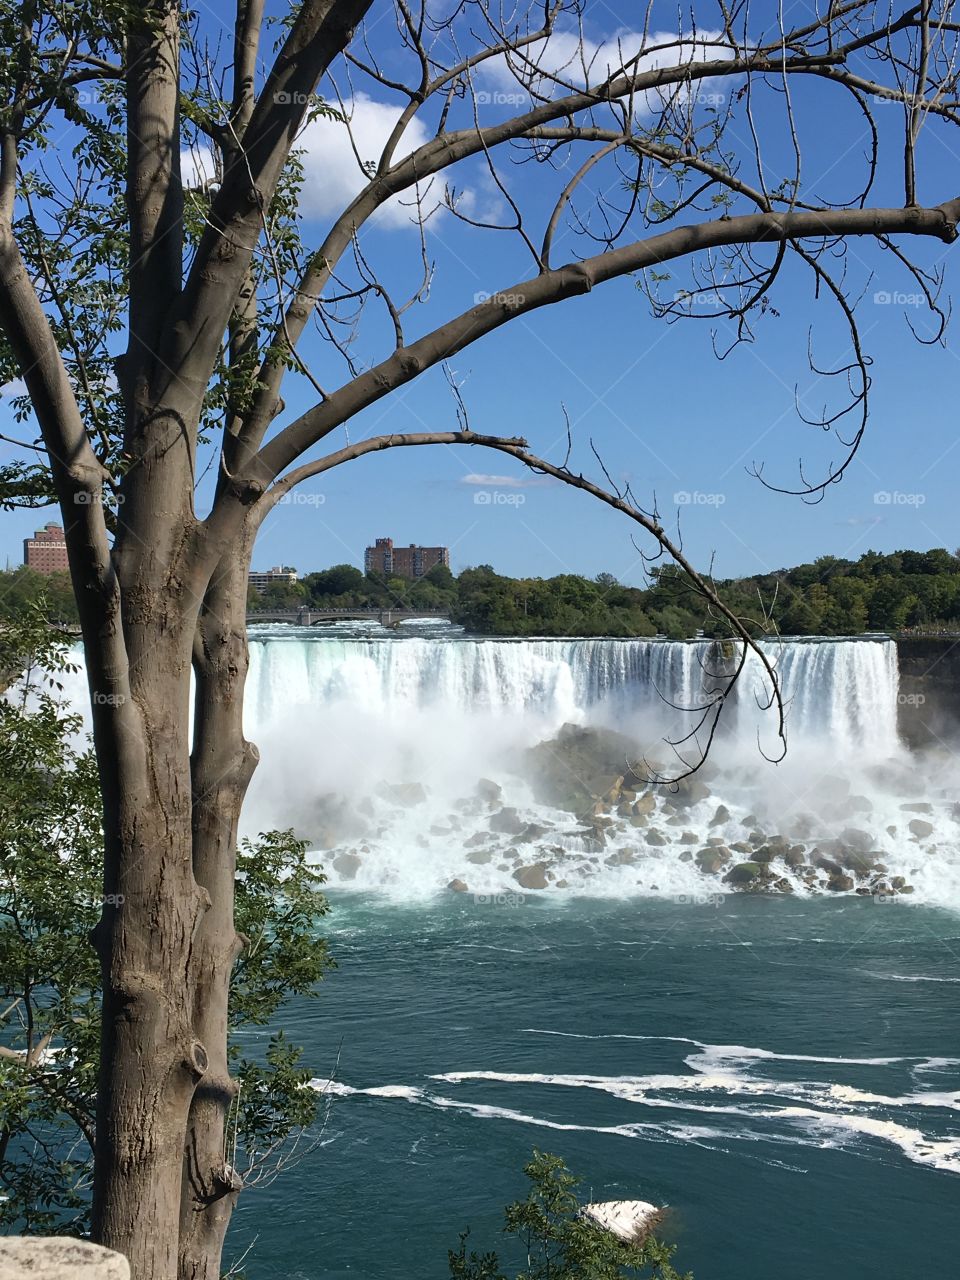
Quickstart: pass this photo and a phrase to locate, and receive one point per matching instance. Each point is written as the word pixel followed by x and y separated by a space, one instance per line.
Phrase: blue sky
pixel 660 408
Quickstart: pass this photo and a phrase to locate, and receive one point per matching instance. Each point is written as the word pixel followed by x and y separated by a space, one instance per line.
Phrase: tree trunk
pixel 151 1058
pixel 222 766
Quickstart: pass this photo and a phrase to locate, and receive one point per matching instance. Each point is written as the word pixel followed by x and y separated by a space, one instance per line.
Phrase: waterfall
pixel 844 689
pixel 374 747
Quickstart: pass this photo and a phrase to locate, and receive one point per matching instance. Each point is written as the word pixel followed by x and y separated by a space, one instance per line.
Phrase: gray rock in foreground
pixel 59 1258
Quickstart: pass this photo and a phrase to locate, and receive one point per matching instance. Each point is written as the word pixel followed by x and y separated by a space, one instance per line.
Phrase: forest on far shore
pixel 903 591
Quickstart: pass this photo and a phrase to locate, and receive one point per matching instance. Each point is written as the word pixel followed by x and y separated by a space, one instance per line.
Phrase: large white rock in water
pixel 59 1258
pixel 629 1220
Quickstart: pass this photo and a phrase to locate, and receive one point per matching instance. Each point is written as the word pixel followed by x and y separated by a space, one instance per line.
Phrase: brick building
pixel 46 551
pixel 403 562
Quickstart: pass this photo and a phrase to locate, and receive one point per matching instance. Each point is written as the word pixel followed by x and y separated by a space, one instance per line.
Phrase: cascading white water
pixel 843 689
pixel 342 722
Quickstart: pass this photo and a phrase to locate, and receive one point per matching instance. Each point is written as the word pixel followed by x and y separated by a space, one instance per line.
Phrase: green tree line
pixel 905 590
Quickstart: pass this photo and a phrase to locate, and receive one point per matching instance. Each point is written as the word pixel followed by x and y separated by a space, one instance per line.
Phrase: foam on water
pixel 745 1107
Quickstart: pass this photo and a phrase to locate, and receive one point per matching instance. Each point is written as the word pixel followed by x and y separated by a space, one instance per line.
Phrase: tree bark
pixel 222 765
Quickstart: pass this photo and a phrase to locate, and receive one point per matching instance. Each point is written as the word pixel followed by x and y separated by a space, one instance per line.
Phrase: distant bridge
pixel 307 617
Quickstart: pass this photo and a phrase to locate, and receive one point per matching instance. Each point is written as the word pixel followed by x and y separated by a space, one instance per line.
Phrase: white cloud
pixel 503 482
pixel 333 175
pixel 578 61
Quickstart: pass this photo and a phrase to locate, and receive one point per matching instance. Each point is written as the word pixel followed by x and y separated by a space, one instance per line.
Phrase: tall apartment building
pixel 279 573
pixel 403 562
pixel 46 551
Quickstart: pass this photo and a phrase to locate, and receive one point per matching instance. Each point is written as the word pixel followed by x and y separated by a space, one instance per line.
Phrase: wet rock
pixel 676 821
pixel 480 857
pixel 508 822
pixel 570 770
pixel 645 804
pixel 532 877
pixel 437 830
pixel 561 884
pixel 740 846
pixel 689 791
pixel 743 874
pixel 612 794
pixel 859 841
pixel 764 854
pixel 920 806
pixel 686 856
pixel 481 837
pixel 858 804
pixel 689 837
pixel 920 828
pixel 756 838
pixel 840 883
pixel 783 885
pixel 860 864
pixel 639 820
pixel 532 832
pixel 488 790
pixel 716 841
pixel 712 861
pixel 347 865
pixel 655 838
pixel 407 794
pixel 794 856
pixel 458 886
pixel 826 864
pixel 622 858
pixel 721 816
